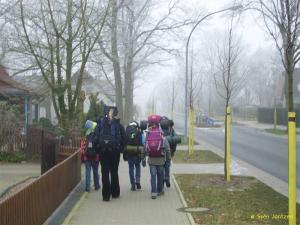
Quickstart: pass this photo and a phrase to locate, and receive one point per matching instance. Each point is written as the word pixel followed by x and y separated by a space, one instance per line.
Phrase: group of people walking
pixel 107 138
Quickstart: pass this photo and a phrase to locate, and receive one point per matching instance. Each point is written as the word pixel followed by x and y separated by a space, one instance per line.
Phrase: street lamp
pixel 233 8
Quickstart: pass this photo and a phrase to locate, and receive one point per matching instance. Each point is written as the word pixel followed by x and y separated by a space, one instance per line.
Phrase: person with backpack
pixel 110 139
pixel 173 139
pixel 90 156
pixel 132 154
pixel 158 150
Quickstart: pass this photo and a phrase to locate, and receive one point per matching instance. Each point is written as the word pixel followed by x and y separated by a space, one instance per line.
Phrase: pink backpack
pixel 154 119
pixel 154 142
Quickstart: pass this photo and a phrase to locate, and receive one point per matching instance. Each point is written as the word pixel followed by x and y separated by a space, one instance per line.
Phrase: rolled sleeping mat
pixel 173 140
pixel 177 139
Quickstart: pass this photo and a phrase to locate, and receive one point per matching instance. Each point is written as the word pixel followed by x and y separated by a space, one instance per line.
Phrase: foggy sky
pixel 251 28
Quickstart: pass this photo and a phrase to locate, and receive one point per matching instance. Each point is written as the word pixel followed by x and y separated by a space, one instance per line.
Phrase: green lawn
pixel 278 131
pixel 243 201
pixel 203 156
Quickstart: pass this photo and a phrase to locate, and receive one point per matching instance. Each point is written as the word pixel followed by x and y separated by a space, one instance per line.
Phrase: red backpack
pixel 154 142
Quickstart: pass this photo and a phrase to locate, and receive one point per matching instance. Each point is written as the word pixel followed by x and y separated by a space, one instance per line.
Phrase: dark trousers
pixel 110 179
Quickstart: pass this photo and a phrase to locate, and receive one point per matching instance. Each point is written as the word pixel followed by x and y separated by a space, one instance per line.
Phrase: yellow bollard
pixel 191 132
pixel 189 144
pixel 228 123
pixel 292 167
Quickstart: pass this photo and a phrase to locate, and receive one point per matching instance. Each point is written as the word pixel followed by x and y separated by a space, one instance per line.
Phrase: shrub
pixel 10 118
pixel 46 124
pixel 96 109
pixel 15 157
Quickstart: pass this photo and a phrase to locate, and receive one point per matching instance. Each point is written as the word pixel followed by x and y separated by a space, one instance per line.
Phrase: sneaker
pixel 106 199
pixel 138 186
pixel 153 195
pixel 161 193
pixel 168 183
pixel 133 187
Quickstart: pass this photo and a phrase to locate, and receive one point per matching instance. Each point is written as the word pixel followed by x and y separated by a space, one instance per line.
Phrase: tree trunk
pixel 128 69
pixel 128 114
pixel 116 61
pixel 173 99
pixel 225 142
pixel 290 99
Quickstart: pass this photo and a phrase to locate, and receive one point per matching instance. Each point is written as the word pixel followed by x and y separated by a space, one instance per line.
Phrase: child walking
pixel 158 150
pixel 90 157
pixel 132 154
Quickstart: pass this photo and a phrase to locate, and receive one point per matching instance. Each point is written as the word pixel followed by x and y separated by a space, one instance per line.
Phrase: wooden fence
pixel 16 142
pixel 37 201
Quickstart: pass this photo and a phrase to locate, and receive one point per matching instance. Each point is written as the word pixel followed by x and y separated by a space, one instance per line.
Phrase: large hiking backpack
pixel 154 119
pixel 133 134
pixel 154 142
pixel 109 135
pixel 164 123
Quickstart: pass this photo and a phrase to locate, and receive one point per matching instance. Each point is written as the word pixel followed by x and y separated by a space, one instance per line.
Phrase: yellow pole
pixel 228 123
pixel 192 130
pixel 275 118
pixel 292 167
pixel 190 152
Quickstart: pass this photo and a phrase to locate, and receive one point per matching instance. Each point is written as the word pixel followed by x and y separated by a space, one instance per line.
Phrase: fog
pixel 249 28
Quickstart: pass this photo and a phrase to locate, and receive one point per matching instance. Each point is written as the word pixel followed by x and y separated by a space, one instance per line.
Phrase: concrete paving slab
pixel 133 207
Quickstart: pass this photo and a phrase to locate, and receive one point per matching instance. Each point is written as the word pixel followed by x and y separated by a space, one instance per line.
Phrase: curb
pixel 64 209
pixel 74 209
pixel 189 215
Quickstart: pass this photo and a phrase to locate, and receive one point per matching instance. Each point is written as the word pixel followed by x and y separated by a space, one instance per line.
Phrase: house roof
pixel 9 87
pixel 93 85
pixel 35 82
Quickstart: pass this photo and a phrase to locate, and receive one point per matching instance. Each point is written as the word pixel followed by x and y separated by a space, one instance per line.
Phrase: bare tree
pixel 229 77
pixel 173 98
pixel 281 19
pixel 139 44
pixel 5 8
pixel 59 36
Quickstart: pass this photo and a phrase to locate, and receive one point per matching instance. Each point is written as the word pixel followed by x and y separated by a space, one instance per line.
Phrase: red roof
pixel 10 87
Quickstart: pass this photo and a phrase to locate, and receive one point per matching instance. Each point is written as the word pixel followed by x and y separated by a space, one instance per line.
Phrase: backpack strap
pixel 159 146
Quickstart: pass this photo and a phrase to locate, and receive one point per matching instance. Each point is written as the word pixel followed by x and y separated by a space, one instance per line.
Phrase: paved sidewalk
pixel 261 126
pixel 12 173
pixel 136 207
pixel 133 207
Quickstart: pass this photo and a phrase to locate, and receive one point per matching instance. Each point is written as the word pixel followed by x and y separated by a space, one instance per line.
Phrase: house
pixel 43 106
pixel 16 93
pixel 92 85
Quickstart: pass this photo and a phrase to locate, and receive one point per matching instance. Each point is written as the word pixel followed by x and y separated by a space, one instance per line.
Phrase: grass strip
pixel 243 201
pixel 201 156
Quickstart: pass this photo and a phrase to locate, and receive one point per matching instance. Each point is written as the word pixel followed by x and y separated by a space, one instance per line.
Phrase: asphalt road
pixel 263 150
